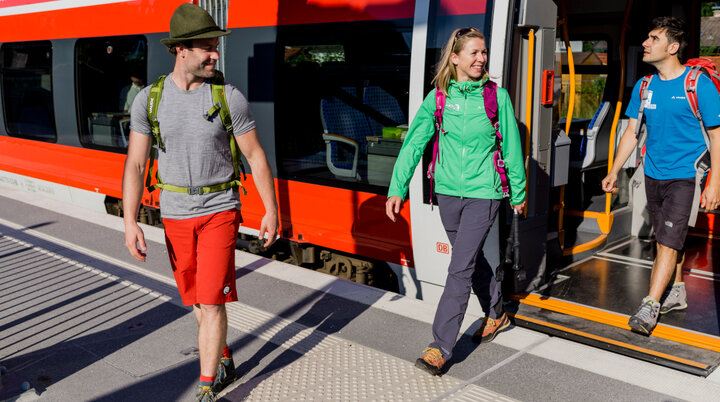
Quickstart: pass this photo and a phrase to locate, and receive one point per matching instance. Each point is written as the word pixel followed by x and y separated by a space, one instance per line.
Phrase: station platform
pixel 81 320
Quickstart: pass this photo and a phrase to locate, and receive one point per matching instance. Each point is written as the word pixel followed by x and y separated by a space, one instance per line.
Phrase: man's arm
pixel 262 176
pixel 711 196
pixel 132 190
pixel 628 142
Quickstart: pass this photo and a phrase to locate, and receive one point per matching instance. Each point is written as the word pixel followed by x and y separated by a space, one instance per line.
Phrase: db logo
pixel 442 248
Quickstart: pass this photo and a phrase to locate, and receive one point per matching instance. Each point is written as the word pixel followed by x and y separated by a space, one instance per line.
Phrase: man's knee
pixel 211 309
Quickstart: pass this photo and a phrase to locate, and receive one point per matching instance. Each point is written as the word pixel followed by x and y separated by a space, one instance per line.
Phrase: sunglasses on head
pixel 464 31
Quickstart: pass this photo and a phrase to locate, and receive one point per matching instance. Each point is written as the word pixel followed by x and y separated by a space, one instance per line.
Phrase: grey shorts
pixel 669 203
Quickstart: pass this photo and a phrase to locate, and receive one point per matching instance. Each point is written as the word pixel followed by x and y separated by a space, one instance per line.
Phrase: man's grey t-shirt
pixel 197 151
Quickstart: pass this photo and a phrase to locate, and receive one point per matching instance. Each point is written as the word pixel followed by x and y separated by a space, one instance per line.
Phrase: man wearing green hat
pixel 196 142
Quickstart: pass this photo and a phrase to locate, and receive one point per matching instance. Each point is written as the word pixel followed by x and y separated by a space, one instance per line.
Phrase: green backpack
pixel 220 106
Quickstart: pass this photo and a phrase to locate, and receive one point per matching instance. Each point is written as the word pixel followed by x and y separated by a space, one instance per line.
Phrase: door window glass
pixel 110 73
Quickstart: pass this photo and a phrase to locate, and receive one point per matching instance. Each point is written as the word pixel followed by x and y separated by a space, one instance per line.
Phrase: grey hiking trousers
pixel 467 222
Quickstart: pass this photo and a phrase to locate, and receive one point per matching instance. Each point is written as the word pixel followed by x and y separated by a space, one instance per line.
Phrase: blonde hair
pixel 445 68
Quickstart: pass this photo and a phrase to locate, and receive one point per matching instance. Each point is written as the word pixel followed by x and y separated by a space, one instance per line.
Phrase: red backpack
pixel 697 67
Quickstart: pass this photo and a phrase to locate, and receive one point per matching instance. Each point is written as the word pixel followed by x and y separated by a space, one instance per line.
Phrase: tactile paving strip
pixel 330 369
pixel 333 369
pixel 48 299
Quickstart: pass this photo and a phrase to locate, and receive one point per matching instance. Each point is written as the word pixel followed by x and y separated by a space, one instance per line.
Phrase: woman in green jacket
pixel 467 186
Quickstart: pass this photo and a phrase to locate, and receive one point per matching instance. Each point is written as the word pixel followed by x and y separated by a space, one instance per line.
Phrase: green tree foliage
pixel 706 8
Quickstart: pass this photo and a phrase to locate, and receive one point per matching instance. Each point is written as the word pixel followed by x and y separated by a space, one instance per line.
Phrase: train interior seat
pixel 109 129
pixel 348 120
pixel 591 138
pixel 379 100
pixel 345 132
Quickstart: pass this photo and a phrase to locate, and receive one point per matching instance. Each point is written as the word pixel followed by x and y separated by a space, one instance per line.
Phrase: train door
pixel 598 248
pixel 434 22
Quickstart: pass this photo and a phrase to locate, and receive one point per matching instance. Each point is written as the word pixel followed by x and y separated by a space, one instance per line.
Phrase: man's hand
pixel 609 182
pixel 135 241
pixel 269 225
pixel 710 199
pixel 392 207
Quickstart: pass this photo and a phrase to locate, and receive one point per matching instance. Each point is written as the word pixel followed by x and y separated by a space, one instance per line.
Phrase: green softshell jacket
pixel 464 165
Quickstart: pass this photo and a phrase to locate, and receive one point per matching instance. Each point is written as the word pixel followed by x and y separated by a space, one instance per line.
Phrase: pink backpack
pixel 491 109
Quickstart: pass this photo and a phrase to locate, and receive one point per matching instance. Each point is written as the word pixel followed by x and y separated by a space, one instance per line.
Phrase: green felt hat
pixel 190 22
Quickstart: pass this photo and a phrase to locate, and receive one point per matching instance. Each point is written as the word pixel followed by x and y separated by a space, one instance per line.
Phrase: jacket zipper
pixel 463 90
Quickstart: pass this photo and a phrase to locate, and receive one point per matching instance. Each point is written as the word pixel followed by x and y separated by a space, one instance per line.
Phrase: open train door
pixel 589 256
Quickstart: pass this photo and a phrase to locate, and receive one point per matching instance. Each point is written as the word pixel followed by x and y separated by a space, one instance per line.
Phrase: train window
pixel 341 102
pixel 444 17
pixel 591 72
pixel 110 73
pixel 27 90
pixel 710 31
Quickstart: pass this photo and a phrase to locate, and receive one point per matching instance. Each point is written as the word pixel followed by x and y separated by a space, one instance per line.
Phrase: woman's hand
pixel 392 207
pixel 519 207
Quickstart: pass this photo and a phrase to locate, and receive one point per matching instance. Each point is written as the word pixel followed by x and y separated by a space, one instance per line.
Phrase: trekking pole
pixel 517 266
pixel 506 257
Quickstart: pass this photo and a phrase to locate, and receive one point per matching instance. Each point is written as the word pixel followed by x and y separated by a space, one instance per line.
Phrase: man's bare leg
pixel 679 267
pixel 662 271
pixel 212 333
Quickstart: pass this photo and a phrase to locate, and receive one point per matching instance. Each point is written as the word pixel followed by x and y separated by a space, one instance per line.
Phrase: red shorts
pixel 202 256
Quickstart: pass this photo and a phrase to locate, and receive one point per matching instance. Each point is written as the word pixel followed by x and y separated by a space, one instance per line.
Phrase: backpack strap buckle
pixel 213 110
pixel 195 190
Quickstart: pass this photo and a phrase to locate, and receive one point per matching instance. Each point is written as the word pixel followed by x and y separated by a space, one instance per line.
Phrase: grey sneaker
pixel 675 298
pixel 646 317
pixel 205 394
pixel 225 374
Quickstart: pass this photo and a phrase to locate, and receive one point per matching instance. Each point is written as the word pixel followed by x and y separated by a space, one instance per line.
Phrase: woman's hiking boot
pixel 675 298
pixel 431 361
pixel 490 328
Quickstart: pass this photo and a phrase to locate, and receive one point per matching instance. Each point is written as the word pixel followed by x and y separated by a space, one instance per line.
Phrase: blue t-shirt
pixel 674 136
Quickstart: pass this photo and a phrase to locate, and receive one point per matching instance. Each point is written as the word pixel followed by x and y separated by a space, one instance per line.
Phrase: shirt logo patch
pixel 453 106
pixel 226 290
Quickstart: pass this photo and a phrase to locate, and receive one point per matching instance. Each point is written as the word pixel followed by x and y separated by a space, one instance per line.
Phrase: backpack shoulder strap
pixel 152 110
pixel 643 99
pixel 220 106
pixel 491 110
pixel 691 80
pixel 439 110
pixel 490 103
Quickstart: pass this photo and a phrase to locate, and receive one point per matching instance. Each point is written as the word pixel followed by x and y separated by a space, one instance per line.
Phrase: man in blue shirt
pixel 674 142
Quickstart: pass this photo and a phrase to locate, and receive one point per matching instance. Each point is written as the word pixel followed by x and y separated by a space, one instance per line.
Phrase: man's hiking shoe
pixel 225 374
pixel 646 317
pixel 490 328
pixel 675 298
pixel 431 361
pixel 205 394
